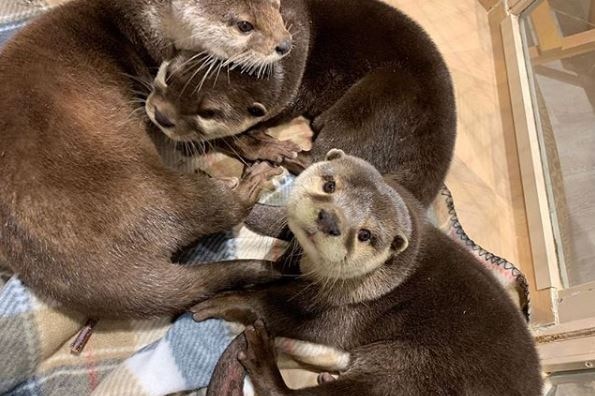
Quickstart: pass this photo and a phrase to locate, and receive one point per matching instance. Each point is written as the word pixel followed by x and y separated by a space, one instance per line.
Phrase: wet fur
pixel 88 213
pixel 447 327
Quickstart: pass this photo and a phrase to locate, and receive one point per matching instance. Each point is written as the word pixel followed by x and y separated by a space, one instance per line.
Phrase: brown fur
pixel 215 23
pixel 88 213
pixel 372 82
pixel 441 323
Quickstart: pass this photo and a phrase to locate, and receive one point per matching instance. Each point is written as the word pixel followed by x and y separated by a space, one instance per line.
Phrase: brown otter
pixel 247 32
pixel 199 119
pixel 88 213
pixel 372 82
pixel 415 312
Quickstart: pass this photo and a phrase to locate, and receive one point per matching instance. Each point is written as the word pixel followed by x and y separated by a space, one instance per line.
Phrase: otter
pixel 371 81
pixel 88 213
pixel 413 310
pixel 199 121
pixel 246 32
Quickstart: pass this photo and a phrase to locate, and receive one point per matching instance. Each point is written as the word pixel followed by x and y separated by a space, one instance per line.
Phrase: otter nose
pixel 283 47
pixel 328 223
pixel 163 120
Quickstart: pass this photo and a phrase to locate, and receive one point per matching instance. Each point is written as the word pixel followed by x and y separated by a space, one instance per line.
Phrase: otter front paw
pixel 258 145
pixel 255 180
pixel 232 307
pixel 260 362
pixel 297 165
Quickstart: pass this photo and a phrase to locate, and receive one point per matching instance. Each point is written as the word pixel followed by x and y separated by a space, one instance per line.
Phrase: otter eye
pixel 329 186
pixel 245 26
pixel 207 114
pixel 364 235
pixel 257 111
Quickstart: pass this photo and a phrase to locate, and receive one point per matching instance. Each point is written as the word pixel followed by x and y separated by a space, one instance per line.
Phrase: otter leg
pixel 259 361
pixel 258 145
pixel 233 306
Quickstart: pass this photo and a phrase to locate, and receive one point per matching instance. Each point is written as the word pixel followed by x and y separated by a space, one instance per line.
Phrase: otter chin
pixel 334 212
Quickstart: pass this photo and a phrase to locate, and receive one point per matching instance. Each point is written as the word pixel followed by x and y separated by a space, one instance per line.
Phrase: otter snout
pixel 328 222
pixel 164 113
pixel 163 120
pixel 284 47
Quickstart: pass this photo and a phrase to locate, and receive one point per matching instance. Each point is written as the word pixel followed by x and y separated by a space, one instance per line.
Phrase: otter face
pixel 246 32
pixel 346 218
pixel 189 103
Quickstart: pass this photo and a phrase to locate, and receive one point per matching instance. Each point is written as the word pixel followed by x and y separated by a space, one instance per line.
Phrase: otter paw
pixel 256 179
pixel 231 182
pixel 275 150
pixel 259 359
pixel 229 307
pixel 299 164
pixel 259 145
pixel 324 378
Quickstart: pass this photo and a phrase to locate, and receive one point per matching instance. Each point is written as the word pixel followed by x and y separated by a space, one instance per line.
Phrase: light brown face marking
pixel 362 202
pixel 246 32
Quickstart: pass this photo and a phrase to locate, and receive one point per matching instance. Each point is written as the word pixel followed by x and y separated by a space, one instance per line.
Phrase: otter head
pixel 189 102
pixel 349 222
pixel 245 32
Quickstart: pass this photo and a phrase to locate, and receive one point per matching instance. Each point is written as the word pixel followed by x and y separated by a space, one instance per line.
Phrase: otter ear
pixel 400 243
pixel 257 110
pixel 335 154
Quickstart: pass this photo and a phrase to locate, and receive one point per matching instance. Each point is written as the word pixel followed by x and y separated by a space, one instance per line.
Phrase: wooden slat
pixel 576 44
pixel 516 7
pixel 489 4
pixel 567 346
pixel 545 27
pixel 534 260
pixel 534 187
pixel 566 355
pixel 577 303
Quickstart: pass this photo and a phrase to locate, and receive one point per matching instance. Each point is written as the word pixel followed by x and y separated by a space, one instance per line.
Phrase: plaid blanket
pixel 162 356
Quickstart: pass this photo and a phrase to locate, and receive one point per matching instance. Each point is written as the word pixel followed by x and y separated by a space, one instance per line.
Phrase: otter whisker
pixel 239 157
pixel 198 69
pixel 217 74
pixel 213 62
pixel 303 290
pixel 206 63
pixel 192 59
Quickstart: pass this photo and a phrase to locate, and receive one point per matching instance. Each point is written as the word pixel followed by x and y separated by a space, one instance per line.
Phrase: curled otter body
pixel 88 213
pixel 416 313
pixel 371 81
